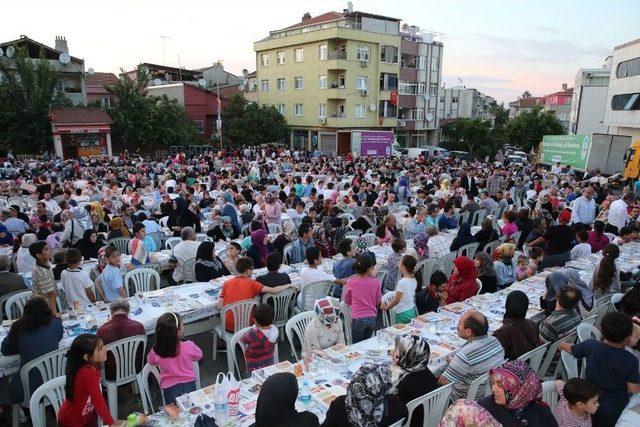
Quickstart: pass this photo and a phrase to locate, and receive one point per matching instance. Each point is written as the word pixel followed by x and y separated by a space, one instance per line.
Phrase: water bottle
pixel 305 393
pixel 220 403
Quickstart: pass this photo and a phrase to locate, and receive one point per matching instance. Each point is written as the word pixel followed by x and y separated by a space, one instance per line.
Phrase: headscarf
pixel 361 245
pixel 28 239
pixel 226 231
pixel 87 248
pixel 269 198
pixel 117 223
pixel 566 276
pixel 468 413
pixel 8 238
pixel 464 236
pixel 323 244
pixel 227 197
pixel 181 207
pixel 486 265
pixel 289 229
pixel 413 354
pixel 205 251
pixel 277 400
pixel 516 305
pixel 327 312
pixel 420 244
pixel 257 240
pixel 520 383
pixel 365 395
pixel 466 268
pixel 96 207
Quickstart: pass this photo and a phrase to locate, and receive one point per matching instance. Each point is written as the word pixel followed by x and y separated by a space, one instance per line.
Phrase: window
pixel 280 108
pixel 361 111
pixel 628 68
pixel 105 101
pixel 322 110
pixel 421 88
pixel 298 110
pixel 419 113
pixel 406 88
pixel 322 82
pixel 442 99
pixel 324 52
pixel 389 54
pixel 362 53
pixel 454 99
pixel 280 84
pixel 264 85
pixel 626 102
pixel 434 64
pixel 298 55
pixel 421 62
pixel 387 110
pixel 298 83
pixel 433 89
pixel 264 60
pixel 199 126
pixel 280 57
pixel 341 81
pixel 431 114
pixel 362 82
pixel 388 81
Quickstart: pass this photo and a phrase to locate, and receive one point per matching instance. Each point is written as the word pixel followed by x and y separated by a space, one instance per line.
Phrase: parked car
pixel 462 155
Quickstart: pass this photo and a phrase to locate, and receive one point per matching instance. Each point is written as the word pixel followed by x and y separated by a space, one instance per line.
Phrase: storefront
pixel 81 132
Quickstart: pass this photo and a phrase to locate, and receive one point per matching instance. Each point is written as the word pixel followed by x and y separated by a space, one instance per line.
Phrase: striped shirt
pixel 559 324
pixel 475 358
pixel 438 246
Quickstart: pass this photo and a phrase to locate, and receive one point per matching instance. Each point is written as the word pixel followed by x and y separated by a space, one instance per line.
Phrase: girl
pixel 403 302
pixel 606 276
pixel 323 243
pixel 522 271
pixel 174 357
pixel 509 226
pixel 362 294
pixel 83 402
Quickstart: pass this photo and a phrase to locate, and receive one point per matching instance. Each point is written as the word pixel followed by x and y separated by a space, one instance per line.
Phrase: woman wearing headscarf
pixel 272 209
pixel 6 238
pixel 90 244
pixel 24 261
pixel 421 246
pixel 229 209
pixel 326 247
pixel 260 248
pixel 517 334
pixel 486 272
pixel 287 236
pixel 505 264
pixel 464 237
pixel 118 229
pixel 367 403
pixel 325 330
pixel 487 234
pixel 516 398
pixel 208 265
pixel 467 413
pixel 462 283
pixel 38 228
pixel 182 217
pixel 223 231
pixel 362 248
pixel 558 239
pixel 276 406
pixel 416 379
pixel 556 280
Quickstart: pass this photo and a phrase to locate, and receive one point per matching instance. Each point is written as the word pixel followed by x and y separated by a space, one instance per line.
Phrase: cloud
pixel 545 29
pixel 477 79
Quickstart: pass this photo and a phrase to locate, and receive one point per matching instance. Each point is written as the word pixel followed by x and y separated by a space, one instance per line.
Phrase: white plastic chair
pixel 599 312
pixel 445 264
pixel 203 238
pixel 143 279
pixel 615 299
pixel 610 236
pixel 548 358
pixel 15 304
pixel 388 316
pixel 550 394
pixel 534 357
pixel 479 283
pixel 287 253
pixel 468 250
pixel 587 331
pixel 125 353
pixel 349 217
pixel 478 217
pixel 398 423
pixel 426 267
pixel 570 364
pixel 274 228
pixel 241 313
pixel 490 247
pixel 163 221
pixel 158 238
pixel 145 390
pixel 479 388
pixel 345 315
pixel 433 405
pixel 370 238
pixel 171 242
pixel 464 218
pixel 296 326
pixel 3 301
pixel 590 320
pixel 121 244
pixel 282 306
pixel 312 292
pixel 189 271
pixel 382 275
pixel 235 341
pixel 53 390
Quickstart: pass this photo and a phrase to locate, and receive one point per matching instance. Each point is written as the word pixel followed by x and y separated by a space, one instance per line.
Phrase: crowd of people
pixel 273 206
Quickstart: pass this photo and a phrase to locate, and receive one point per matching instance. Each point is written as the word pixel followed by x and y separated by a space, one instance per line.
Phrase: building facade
pixel 81 132
pixel 97 84
pixel 524 105
pixel 419 88
pixel 589 100
pixel 622 111
pixel 331 74
pixel 460 102
pixel 559 103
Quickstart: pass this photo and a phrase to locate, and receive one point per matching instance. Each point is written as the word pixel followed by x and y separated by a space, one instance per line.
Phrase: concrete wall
pixel 623 120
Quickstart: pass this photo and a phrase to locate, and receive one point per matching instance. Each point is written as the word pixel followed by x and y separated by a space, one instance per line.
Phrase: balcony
pixel 407 101
pixel 337 122
pixel 336 93
pixel 337 60
pixel 408 74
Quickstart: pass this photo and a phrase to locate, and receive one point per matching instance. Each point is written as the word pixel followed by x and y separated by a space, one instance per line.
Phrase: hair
pixel 579 390
pixel 36 248
pixel 236 245
pixel 538 222
pixel 582 235
pixel 5 262
pixel 438 278
pixel 598 227
pixel 625 231
pixel 616 327
pixel 137 227
pixel 510 216
pixel 304 229
pixel 167 340
pixel 629 196
pixel 568 297
pixel 398 244
pixel 312 254
pixel 273 261
pixel 344 246
pixel 362 264
pixel 36 313
pixel 73 256
pixel 119 304
pixel 244 264
pixel 522 258
pixel 111 250
pixel 477 326
pixel 536 252
pixel 607 268
pixel 381 230
pixel 187 233
pixel 523 214
pixel 264 314
pixel 409 263
pixel 83 345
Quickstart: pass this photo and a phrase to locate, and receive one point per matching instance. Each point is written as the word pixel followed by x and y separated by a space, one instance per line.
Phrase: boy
pixel 578 400
pixel 343 269
pixel 311 274
pixel 535 258
pixel 260 339
pixel 42 280
pixel 76 282
pixel 611 368
pixel 582 249
pixel 233 255
pixel 109 284
pixel 427 299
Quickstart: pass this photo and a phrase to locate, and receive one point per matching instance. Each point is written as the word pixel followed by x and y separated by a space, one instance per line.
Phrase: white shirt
pixel 580 250
pixel 438 246
pixel 170 183
pixel 312 275
pixel 184 251
pixel 75 282
pixel 52 205
pixel 408 288
pixel 24 261
pixel 618 215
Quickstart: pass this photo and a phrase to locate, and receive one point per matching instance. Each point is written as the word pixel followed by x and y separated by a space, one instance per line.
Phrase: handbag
pixel 68 243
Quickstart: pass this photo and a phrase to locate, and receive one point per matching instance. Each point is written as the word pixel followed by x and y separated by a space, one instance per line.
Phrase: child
pixel 427 299
pixel 174 357
pixel 83 402
pixel 403 303
pixel 393 272
pixel 109 284
pixel 535 259
pixel 60 262
pixel 582 249
pixel 42 281
pixel 522 271
pixel 260 339
pixel 233 255
pixel 578 401
pixel 610 367
pixel 76 282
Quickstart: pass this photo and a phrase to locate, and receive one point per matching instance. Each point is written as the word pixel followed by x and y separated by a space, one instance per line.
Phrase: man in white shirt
pixel 184 251
pixel 297 214
pixel 556 169
pixel 311 274
pixel 52 205
pixel 618 215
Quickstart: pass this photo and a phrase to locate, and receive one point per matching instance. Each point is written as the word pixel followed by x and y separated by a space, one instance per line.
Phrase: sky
pixel 496 46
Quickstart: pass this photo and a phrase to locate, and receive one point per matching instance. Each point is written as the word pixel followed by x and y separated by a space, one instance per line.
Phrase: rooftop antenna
pixel 349 7
pixel 164 48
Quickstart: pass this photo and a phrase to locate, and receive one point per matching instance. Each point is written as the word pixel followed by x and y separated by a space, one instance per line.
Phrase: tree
pixel 470 135
pixel 526 130
pixel 501 117
pixel 26 95
pixel 252 124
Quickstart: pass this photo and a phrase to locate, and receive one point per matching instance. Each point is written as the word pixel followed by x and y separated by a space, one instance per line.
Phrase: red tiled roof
pixel 568 92
pixel 531 101
pixel 329 16
pixel 101 79
pixel 69 116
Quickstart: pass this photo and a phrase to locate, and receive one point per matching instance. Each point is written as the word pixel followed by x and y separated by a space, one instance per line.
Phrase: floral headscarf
pixel 117 223
pixel 365 395
pixel 486 264
pixel 420 244
pixel 361 245
pixel 413 354
pixel 468 413
pixel 327 312
pixel 520 383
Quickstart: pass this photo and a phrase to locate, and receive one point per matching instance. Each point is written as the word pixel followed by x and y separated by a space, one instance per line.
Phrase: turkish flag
pixel 394 98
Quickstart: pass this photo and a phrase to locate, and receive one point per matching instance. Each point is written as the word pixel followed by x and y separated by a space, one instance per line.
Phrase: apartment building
pixel 589 100
pixel 622 111
pixel 461 102
pixel 419 87
pixel 559 103
pixel 331 74
pixel 524 105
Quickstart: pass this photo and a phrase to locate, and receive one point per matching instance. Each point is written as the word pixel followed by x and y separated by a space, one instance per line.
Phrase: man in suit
pixel 9 282
pixel 469 183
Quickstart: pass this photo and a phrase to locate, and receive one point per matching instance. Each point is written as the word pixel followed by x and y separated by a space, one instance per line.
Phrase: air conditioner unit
pixel 364 62
pixel 401 123
pixel 364 92
pixel 322 120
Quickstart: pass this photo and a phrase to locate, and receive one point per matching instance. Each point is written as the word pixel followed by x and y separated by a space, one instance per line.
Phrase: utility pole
pixel 219 121
pixel 164 48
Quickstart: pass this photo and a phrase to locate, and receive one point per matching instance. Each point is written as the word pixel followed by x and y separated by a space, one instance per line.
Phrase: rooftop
pixel 33 48
pixel 101 79
pixel 75 116
pixel 325 17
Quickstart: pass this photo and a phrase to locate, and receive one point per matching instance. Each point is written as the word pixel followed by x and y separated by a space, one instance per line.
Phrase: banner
pixel 375 143
pixel 567 149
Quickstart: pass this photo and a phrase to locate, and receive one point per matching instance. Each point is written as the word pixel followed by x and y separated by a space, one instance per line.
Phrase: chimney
pixel 564 86
pixel 61 44
pixel 306 16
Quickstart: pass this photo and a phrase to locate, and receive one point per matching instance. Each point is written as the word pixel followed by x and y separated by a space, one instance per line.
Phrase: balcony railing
pixel 338 54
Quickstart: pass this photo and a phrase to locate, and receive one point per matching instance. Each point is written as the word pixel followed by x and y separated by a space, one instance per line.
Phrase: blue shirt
pixel 506 274
pixel 584 210
pixel 341 270
pixel 111 280
pixel 445 223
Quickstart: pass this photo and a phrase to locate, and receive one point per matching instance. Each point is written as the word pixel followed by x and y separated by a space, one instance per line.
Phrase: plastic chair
pixel 15 304
pixel 479 388
pixel 445 264
pixel 274 228
pixel 468 250
pixel 479 283
pixel 382 275
pixel 189 271
pixel 345 315
pixel 287 253
pixel 490 247
pixel 587 331
pixel 3 302
pixel 121 244
pixel 145 391
pixel 478 217
pixel 125 353
pixel 570 364
pixel 526 250
pixel 535 356
pixel 349 217
pixel 590 320
pixel 433 405
pixel 296 326
pixel 158 239
pixel 464 218
pixel 398 423
pixel 426 267
pixel 282 306
pixel 388 316
pixel 171 242
pixel 353 234
pixel 370 238
pixel 312 292
pixel 550 394
pixel 245 230
pixel 610 236
pixel 615 299
pixel 599 312
pixel 143 279
pixel 235 341
pixel 163 221
pixel 203 238
pixel 53 390
pixel 241 313
pixel 515 237
pixel 548 358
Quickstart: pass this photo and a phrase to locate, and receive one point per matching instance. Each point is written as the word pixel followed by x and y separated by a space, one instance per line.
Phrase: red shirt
pixel 238 289
pixel 87 399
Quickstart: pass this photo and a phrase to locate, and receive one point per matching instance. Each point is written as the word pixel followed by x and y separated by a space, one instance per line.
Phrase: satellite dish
pixel 429 117
pixel 157 82
pixel 11 51
pixel 1 52
pixel 372 107
pixel 349 7
pixel 202 82
pixel 241 88
pixel 245 71
pixel 64 58
pixel 405 26
pixel 91 71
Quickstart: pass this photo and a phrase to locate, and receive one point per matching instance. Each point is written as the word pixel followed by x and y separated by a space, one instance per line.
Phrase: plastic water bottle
pixel 305 393
pixel 220 403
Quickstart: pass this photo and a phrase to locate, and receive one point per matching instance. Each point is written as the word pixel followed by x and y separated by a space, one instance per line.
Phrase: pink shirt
pixel 363 295
pixel 179 369
pixel 509 228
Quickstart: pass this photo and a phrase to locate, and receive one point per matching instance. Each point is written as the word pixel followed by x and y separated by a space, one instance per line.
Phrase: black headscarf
pixel 205 251
pixel 517 305
pixel 464 237
pixel 277 400
pixel 87 248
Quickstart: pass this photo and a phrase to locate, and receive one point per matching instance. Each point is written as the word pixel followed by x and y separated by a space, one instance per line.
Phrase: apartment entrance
pixel 344 143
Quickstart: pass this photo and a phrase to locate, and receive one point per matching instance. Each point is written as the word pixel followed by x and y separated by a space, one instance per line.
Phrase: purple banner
pixel 376 143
